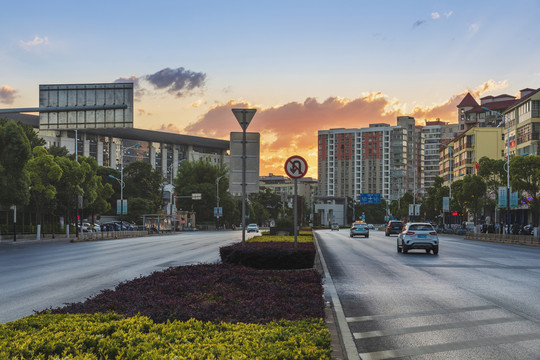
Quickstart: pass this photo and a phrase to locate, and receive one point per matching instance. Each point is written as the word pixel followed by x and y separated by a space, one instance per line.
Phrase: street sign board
pixel 244 116
pixel 296 167
pixel 414 209
pixel 218 211
pixel 119 210
pixel 253 141
pixel 502 196
pixel 196 196
pixel 370 198
pixel 446 204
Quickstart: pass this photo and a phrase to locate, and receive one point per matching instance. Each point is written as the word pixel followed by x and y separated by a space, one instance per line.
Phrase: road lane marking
pixel 437 348
pixel 422 313
pixel 425 328
pixel 346 336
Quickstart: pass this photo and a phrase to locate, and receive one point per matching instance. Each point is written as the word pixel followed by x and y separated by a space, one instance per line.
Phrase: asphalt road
pixel 475 300
pixel 37 276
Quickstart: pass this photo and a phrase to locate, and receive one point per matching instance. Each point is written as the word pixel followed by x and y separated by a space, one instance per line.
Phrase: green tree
pixel 69 187
pixel 44 175
pixel 494 175
pixel 269 204
pixel 400 208
pixel 141 181
pixel 31 134
pixel 200 177
pixel 432 204
pixel 525 178
pixel 15 152
pixel 96 192
pixel 56 150
pixel 470 192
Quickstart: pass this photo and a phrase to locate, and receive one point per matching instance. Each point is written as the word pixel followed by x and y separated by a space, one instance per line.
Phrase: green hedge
pixel 112 336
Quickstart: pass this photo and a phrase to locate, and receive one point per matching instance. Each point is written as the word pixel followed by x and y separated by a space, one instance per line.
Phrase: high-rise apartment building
pixel 367 160
pixel 435 133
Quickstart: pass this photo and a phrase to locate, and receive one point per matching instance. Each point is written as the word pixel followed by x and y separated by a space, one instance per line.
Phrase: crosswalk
pixel 476 317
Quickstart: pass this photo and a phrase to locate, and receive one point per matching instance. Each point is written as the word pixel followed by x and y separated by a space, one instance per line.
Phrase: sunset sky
pixel 305 65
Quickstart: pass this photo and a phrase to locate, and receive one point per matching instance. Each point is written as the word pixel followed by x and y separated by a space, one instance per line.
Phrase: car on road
pixel 418 235
pixel 370 226
pixel 393 227
pixel 252 228
pixel 359 229
pixel 334 226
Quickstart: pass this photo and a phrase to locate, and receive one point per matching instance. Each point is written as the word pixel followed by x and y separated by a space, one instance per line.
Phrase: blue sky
pixel 306 65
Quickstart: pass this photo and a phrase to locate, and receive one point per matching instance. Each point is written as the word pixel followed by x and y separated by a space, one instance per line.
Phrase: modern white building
pixel 163 150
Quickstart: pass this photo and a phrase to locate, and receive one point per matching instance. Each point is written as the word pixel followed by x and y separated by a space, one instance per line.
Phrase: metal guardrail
pixel 107 235
pixel 505 238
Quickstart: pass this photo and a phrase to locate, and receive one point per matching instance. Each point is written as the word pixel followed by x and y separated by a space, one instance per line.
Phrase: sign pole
pixel 296 167
pixel 244 179
pixel 295 213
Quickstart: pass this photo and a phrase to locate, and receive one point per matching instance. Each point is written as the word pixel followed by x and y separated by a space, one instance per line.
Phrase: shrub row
pixel 304 238
pixel 212 292
pixel 111 336
pixel 270 255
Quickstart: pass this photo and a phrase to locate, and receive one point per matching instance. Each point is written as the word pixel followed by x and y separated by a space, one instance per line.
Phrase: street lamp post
pixel 121 181
pixel 505 122
pixel 217 196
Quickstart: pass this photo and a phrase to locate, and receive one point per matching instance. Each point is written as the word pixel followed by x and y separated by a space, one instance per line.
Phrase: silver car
pixel 359 229
pixel 418 236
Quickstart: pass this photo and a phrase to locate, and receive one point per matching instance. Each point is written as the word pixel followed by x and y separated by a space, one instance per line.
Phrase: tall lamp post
pixel 121 181
pixel 217 196
pixel 506 123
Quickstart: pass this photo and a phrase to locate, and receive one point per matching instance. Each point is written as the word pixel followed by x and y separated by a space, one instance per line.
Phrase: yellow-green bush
pixel 112 336
pixel 278 238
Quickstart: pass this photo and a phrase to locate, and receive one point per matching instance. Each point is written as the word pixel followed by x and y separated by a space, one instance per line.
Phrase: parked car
pixel 418 236
pixel 252 228
pixel 334 226
pixel 359 229
pixel 393 227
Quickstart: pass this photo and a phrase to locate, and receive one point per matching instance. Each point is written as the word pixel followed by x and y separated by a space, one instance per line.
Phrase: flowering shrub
pixel 111 336
pixel 270 255
pixel 213 292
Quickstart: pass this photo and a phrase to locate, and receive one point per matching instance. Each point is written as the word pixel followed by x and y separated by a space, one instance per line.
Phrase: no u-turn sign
pixel 296 167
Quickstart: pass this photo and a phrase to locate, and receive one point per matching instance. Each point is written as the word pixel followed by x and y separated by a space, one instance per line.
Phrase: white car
pixel 418 236
pixel 252 228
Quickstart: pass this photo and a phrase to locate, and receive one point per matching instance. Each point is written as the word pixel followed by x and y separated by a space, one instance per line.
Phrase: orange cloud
pixel 291 129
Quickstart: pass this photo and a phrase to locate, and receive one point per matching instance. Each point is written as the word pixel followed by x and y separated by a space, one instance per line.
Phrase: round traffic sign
pixel 296 167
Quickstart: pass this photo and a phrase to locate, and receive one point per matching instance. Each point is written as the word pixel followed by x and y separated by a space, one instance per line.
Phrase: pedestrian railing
pixel 504 238
pixel 107 235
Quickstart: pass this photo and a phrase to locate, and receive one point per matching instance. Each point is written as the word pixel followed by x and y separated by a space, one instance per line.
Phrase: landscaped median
pixel 207 311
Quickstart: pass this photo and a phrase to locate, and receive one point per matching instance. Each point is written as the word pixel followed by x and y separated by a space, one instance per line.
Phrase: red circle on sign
pixel 296 167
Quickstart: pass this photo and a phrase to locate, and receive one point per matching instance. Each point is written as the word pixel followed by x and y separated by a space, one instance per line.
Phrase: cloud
pixel 7 94
pixel 142 112
pixel 417 23
pixel 473 28
pixel 434 16
pixel 171 128
pixel 177 81
pixel 292 128
pixel 35 43
pixel 138 91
